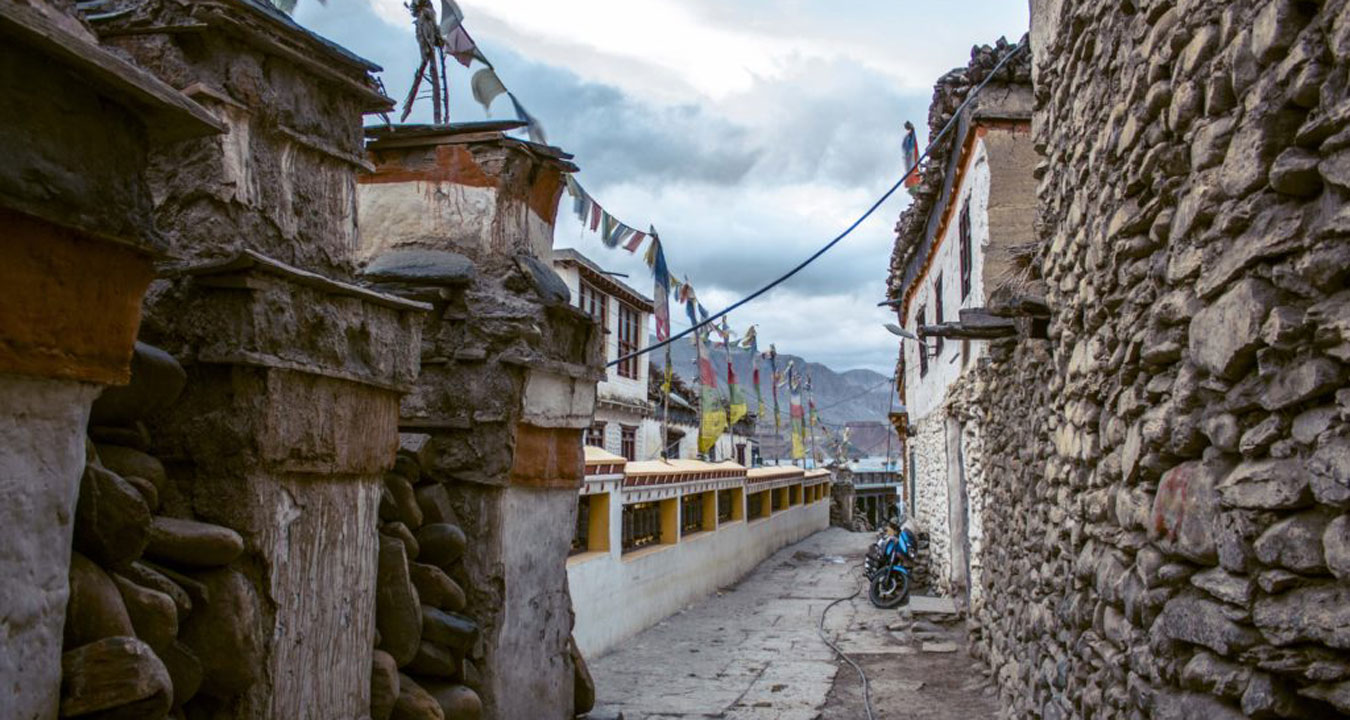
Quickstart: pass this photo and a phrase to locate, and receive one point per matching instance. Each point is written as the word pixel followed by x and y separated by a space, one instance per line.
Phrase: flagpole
pixel 810 411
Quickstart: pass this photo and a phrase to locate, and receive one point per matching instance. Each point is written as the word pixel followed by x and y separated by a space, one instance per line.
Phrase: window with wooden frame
pixel 595 435
pixel 628 340
pixel 594 303
pixel 628 442
pixel 963 226
pixel 921 345
pixel 937 313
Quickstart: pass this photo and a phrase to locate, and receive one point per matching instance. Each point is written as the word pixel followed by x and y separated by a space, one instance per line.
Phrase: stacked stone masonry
pixel 1168 532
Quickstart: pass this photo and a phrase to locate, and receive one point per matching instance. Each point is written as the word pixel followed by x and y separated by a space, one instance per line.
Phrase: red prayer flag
pixel 596 211
pixel 636 242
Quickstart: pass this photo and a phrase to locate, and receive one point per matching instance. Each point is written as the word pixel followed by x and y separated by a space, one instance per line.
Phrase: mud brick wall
pixel 1169 536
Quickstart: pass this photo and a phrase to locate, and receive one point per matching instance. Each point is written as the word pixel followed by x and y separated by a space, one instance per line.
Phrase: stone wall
pixel 1175 460
pixel 929 444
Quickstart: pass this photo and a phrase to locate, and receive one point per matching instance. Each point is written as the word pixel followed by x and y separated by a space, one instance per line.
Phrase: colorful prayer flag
pixel 774 380
pixel 752 342
pixel 910 145
pixel 661 304
pixel 635 242
pixel 608 226
pixel 798 417
pixel 596 210
pixel 713 417
pixel 736 405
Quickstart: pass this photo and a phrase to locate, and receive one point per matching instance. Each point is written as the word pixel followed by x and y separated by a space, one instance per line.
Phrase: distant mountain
pixel 841 397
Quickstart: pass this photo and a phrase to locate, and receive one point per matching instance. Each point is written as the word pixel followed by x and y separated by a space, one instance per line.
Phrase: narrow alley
pixel 753 650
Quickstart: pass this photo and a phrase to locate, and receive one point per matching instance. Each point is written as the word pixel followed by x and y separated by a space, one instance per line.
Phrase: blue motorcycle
pixel 887 567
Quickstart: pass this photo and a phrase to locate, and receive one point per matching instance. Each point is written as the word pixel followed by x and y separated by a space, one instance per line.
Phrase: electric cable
pixel 820 630
pixel 814 256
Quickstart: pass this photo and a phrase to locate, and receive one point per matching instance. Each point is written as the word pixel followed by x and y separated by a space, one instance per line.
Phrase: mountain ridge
pixel 856 395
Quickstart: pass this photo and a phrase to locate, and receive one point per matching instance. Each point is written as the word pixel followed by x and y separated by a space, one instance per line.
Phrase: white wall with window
pixel 624 313
pixel 953 280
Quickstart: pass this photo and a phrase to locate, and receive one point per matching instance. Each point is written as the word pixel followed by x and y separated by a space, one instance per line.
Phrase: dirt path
pixel 752 652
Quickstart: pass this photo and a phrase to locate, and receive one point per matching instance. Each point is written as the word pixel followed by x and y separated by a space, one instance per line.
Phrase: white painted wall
pixel 924 394
pixel 616 387
pixel 616 596
pixel 446 215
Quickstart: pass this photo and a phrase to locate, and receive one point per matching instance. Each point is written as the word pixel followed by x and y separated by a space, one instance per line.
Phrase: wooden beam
pixel 960 331
pixel 1012 305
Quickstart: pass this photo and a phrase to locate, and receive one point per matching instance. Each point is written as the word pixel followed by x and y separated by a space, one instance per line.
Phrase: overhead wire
pixel 816 255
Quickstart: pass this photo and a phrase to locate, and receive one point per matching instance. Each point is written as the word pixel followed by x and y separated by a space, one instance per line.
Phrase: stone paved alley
pixel 752 651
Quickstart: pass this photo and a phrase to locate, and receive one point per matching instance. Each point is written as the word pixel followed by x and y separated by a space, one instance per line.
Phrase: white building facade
pixel 985 206
pixel 621 404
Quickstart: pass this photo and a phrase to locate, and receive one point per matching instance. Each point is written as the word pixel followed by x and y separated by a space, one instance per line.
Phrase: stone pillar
pixel 287 426
pixel 463 217
pixel 77 238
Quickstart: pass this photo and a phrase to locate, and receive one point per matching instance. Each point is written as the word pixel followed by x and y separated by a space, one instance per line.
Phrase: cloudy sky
pixel 749 132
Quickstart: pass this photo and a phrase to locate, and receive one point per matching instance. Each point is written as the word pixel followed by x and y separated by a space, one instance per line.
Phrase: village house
pixel 621 404
pixel 973 209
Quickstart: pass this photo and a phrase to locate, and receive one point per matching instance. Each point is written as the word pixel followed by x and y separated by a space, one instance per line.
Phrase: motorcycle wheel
pixel 889 590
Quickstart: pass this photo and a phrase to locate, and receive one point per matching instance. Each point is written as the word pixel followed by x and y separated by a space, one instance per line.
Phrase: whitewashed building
pixel 976 202
pixel 621 403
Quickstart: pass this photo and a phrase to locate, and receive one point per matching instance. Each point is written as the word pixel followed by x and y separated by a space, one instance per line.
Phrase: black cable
pixel 820 630
pixel 886 196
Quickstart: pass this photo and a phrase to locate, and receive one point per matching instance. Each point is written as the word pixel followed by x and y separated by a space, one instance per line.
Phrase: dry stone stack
pixel 1166 528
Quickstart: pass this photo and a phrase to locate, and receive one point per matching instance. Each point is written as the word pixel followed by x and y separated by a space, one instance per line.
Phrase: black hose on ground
pixel 867 688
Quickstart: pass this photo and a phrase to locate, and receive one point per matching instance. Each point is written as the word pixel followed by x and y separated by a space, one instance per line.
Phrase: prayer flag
pixel 662 292
pixel 596 210
pixel 608 228
pixel 635 242
pixel 712 417
pixel 736 405
pixel 451 16
pixel 774 380
pixel 910 145
pixel 459 45
pixel 798 417
pixel 532 126
pixel 486 87
pixel 752 342
pixel 654 253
